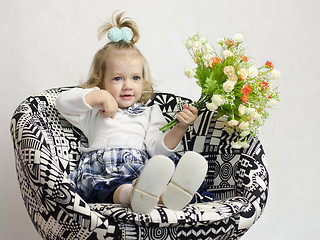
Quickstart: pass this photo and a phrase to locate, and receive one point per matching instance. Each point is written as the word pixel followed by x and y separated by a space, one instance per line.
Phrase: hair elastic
pixel 116 34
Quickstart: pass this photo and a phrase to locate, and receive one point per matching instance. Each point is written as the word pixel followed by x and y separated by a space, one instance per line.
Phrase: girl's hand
pixel 103 99
pixel 187 116
pixel 109 108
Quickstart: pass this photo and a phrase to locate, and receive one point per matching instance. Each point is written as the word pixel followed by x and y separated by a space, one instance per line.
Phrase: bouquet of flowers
pixel 232 85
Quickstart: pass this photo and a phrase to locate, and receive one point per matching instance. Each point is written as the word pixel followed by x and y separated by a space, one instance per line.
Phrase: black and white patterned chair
pixel 46 150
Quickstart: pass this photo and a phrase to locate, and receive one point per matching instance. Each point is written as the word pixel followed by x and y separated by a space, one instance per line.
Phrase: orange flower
pixel 259 110
pixel 244 98
pixel 215 61
pixel 244 58
pixel 269 64
pixel 264 85
pixel 230 43
pixel 246 89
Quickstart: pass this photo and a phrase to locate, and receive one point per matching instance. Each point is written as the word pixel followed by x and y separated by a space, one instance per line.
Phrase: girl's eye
pixel 117 79
pixel 136 78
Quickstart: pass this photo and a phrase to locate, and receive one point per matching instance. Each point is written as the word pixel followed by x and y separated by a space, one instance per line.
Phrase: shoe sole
pixel 187 178
pixel 151 183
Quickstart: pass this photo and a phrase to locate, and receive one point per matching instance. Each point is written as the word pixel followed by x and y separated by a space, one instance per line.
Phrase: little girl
pixel 122 132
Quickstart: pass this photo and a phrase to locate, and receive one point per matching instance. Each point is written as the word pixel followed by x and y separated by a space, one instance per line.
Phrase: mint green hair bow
pixel 116 34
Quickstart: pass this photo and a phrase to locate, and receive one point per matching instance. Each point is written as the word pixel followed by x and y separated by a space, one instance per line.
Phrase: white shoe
pixel 187 178
pixel 151 183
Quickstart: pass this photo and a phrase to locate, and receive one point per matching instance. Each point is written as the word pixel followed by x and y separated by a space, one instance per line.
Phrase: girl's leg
pixel 152 181
pixel 122 194
pixel 187 178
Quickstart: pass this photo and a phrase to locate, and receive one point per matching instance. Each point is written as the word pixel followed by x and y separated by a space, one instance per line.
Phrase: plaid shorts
pixel 102 171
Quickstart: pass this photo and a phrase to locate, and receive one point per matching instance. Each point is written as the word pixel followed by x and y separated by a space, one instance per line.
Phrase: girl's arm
pixel 104 100
pixel 76 105
pixel 186 117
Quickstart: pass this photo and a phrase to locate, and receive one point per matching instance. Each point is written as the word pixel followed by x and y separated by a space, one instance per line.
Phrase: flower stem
pixel 169 125
pixel 200 104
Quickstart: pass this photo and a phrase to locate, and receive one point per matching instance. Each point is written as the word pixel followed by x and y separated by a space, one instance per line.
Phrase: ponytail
pixel 123 34
pixel 119 23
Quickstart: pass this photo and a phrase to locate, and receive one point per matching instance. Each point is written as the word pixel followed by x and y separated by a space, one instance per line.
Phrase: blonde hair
pixel 98 66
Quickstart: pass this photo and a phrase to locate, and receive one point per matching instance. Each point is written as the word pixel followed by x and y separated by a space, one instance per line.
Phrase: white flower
pixel 250 111
pixel 271 103
pixel 196 45
pixel 208 48
pixel 218 99
pixel 203 40
pixel 189 72
pixel 208 63
pixel 220 40
pixel 242 109
pixel 256 116
pixel 232 123
pixel 243 125
pixel 228 86
pixel 211 106
pixel 189 44
pixel 245 144
pixel 226 53
pixel 253 72
pixel 275 74
pixel 244 133
pixel 228 70
pixel 238 37
pixel 270 85
pixel 207 57
pixel 233 78
pixel 236 145
pixel 243 73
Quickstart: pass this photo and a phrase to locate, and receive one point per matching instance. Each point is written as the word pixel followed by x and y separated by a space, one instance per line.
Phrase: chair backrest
pixel 207 137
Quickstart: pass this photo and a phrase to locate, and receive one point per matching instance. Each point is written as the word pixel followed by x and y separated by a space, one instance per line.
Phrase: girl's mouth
pixel 126 96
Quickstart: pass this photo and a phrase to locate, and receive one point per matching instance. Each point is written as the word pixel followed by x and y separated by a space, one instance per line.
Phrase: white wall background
pixel 46 44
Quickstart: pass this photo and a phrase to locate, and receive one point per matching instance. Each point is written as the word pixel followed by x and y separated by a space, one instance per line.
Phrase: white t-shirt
pixel 126 130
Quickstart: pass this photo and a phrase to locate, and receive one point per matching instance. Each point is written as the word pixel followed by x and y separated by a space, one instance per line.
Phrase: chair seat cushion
pixel 193 214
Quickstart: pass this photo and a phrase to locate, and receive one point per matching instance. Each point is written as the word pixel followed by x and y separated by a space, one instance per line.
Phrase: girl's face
pixel 124 76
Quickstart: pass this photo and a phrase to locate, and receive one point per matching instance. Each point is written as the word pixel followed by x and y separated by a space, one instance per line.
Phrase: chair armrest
pixel 39 173
pixel 208 212
pixel 252 182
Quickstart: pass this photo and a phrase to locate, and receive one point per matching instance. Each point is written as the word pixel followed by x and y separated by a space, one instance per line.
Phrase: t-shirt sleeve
pixel 154 137
pixel 72 106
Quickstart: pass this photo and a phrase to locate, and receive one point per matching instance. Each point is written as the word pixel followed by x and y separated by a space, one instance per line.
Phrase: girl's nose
pixel 127 84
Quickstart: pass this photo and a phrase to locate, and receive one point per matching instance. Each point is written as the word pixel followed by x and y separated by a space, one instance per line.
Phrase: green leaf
pixel 199 83
pixel 211 85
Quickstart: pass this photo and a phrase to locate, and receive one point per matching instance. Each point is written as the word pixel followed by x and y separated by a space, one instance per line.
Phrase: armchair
pixel 46 150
